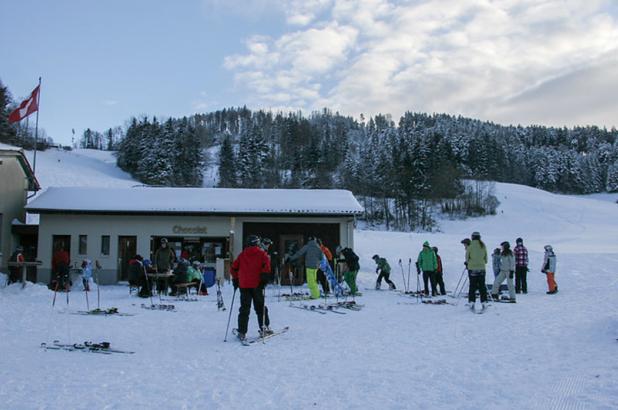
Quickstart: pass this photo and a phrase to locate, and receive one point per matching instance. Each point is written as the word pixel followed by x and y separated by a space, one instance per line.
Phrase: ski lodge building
pixel 112 225
pixel 16 180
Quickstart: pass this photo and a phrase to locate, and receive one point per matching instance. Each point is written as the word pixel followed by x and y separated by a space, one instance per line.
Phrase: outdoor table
pixel 157 276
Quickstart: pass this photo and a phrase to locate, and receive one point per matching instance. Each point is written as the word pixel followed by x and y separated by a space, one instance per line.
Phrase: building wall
pixel 95 226
pixel 13 185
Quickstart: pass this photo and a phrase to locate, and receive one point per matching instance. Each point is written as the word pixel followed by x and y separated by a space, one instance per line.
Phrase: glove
pixel 263 279
pixel 466 264
pixel 512 274
pixel 377 270
pixel 235 283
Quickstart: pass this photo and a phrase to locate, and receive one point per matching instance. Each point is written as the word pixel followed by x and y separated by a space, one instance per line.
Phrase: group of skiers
pixel 251 272
pixel 507 265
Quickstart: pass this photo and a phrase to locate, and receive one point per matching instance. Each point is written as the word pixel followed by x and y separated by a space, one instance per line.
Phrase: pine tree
pixel 227 164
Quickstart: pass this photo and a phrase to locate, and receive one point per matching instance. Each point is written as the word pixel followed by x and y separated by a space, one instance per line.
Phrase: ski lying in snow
pixel 102 312
pixel 168 308
pixel 436 302
pixel 181 299
pixel 296 298
pixel 309 309
pixel 251 340
pixel 89 347
pixel 351 305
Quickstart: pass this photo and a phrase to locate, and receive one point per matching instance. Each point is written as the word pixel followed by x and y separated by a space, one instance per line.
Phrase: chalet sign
pixel 178 229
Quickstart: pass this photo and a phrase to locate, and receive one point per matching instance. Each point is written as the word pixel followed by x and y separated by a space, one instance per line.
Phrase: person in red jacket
pixel 250 273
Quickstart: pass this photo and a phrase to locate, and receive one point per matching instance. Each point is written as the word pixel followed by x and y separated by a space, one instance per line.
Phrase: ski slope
pixel 544 352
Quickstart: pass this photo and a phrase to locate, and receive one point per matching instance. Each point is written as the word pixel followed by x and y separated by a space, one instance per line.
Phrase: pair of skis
pixel 102 312
pixel 248 341
pixel 87 347
pixel 321 309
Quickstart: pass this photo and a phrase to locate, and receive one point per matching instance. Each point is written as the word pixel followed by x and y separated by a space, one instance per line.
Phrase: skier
pixel 194 275
pixel 350 259
pixel 495 262
pixel 428 263
pixel 137 276
pixel 163 259
pixel 521 266
pixel 384 270
pixel 439 272
pixel 549 269
pixel 507 271
pixel 476 259
pixel 15 271
pixel 60 268
pixel 86 274
pixel 322 275
pixel 250 273
pixel 313 256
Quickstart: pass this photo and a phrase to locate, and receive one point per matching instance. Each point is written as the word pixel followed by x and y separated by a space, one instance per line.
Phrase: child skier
pixel 549 269
pixel 438 275
pixel 384 270
pixel 495 262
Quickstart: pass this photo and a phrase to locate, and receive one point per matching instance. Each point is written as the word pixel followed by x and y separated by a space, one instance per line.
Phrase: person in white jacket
pixel 549 269
pixel 507 271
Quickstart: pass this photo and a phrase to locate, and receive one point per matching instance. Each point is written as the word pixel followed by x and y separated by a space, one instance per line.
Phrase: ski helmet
pixel 375 257
pixel 426 244
pixel 163 240
pixel 466 241
pixel 475 235
pixel 253 240
pixel 548 248
pixel 267 242
pixel 519 240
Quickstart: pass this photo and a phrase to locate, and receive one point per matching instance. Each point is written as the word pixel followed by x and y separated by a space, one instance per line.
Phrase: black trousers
pixel 477 282
pixel 431 277
pixel 256 296
pixel 440 282
pixel 386 276
pixel 521 284
pixel 323 281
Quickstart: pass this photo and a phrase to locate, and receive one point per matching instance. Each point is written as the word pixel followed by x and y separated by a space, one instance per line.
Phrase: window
pixel 105 245
pixel 83 244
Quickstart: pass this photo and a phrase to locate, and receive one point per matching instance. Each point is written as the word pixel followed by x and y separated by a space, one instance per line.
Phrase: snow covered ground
pixel 545 352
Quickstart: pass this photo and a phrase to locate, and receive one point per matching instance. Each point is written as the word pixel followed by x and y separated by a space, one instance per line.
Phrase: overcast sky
pixel 551 62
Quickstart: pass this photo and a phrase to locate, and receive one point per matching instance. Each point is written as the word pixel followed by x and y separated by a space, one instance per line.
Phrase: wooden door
pixel 288 244
pixel 127 248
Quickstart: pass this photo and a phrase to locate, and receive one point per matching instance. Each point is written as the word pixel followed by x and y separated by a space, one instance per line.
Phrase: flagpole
pixel 36 129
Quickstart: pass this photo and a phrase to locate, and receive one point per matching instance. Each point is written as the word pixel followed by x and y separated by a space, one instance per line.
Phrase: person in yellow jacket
pixel 476 260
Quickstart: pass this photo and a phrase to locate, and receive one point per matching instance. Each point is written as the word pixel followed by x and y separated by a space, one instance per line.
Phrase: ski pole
pixel 96 278
pixel 263 314
pixel 459 281
pixel 418 287
pixel 55 291
pixel 403 277
pixel 409 266
pixel 229 317
pixel 87 302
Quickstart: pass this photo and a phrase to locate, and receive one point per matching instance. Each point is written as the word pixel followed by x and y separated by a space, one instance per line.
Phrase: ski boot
pixel 392 286
pixel 265 331
pixel 241 336
pixel 378 285
pixel 484 307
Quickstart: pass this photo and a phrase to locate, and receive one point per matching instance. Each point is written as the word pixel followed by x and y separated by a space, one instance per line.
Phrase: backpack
pixel 351 259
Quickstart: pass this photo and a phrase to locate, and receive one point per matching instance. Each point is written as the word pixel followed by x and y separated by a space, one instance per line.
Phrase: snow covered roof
pixel 149 200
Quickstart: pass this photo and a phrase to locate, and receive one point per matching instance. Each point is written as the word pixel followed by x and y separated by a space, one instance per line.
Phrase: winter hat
pixel 505 244
pixel 426 243
pixel 465 241
pixel 475 235
pixel 375 257
pixel 519 240
pixel 163 240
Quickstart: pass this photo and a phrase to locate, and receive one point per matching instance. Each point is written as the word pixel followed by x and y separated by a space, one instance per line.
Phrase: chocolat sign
pixel 189 229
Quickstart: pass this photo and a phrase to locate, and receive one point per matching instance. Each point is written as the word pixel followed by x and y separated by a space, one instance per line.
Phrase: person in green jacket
pixel 476 259
pixel 384 270
pixel 428 263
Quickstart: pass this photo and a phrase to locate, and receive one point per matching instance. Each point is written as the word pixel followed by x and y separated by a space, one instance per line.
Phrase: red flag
pixel 27 107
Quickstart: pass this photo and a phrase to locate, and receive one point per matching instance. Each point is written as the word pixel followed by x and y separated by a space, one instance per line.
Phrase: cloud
pixel 487 59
